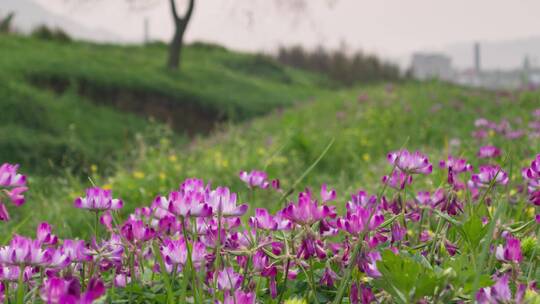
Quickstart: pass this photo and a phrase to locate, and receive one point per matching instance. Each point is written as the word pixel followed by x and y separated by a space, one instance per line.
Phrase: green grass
pixel 426 116
pixel 47 132
pixel 232 83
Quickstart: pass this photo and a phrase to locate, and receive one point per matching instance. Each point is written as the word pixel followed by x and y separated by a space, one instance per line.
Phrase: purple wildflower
pixel 98 199
pixel 307 211
pixel 24 251
pixel 255 179
pixel 532 175
pixel 361 294
pixel 356 220
pixel 487 175
pixel 327 195
pixel 498 293
pixel 9 176
pixel 489 152
pixel 175 252
pixel 397 180
pixel 57 291
pixel 185 204
pixel 458 165
pixel 136 231
pixel 455 166
pixel 263 220
pixel 227 279
pixel 511 252
pixel 44 234
pixel 121 280
pixel 410 163
pixel 328 277
pixel 14 184
pixel 398 232
pixel 76 250
pixel 240 297
pixel 223 202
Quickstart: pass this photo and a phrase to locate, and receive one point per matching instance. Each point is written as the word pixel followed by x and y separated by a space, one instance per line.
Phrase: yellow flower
pixel 366 157
pixel 172 158
pixel 530 211
pixel 491 133
pixel 164 142
pixel 93 168
pixel 138 174
pixel 295 301
pixel 225 163
pixel 364 141
pixel 162 175
pixel 532 297
pixel 281 160
pixel 107 187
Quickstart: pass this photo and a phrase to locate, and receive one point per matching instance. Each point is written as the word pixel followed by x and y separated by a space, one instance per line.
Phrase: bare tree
pixel 181 22
pixel 180 26
pixel 5 23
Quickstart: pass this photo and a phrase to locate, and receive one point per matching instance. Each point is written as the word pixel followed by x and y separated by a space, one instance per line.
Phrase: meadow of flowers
pixel 434 231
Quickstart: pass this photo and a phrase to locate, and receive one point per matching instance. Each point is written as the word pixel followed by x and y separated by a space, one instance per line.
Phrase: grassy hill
pixel 364 124
pixel 75 104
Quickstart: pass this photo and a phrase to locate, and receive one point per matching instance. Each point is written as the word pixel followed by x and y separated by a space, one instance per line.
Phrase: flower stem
pixel 164 274
pixel 217 254
pixel 20 286
pixel 311 282
pixel 192 273
pixel 96 224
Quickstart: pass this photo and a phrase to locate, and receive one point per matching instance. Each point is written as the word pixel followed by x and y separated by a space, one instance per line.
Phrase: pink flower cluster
pixel 191 245
pixel 12 187
pixel 532 175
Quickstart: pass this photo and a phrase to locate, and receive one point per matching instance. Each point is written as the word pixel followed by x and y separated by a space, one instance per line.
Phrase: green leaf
pixel 473 231
pixel 447 218
pixel 465 273
pixel 406 278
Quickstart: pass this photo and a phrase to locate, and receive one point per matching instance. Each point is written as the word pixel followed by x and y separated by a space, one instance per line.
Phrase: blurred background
pixel 459 38
pixel 136 95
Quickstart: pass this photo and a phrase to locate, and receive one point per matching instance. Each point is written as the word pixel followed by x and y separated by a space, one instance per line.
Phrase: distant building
pixel 426 66
pixel 477 58
pixel 524 77
pixel 431 66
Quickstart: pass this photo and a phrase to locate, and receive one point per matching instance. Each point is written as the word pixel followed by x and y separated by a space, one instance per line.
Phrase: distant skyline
pixel 392 28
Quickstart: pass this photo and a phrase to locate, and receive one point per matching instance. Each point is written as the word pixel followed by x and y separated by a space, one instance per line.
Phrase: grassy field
pixel 362 125
pixel 211 76
pixel 59 101
pixel 74 124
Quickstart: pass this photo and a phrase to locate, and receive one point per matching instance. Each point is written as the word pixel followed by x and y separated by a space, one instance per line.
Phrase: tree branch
pixel 173 10
pixel 187 16
pixel 189 11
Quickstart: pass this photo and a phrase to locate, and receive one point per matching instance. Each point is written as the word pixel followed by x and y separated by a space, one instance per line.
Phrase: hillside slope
pixel 364 124
pixel 72 104
pixel 212 79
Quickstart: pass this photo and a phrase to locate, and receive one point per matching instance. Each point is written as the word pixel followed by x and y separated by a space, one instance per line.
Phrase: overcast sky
pixel 389 27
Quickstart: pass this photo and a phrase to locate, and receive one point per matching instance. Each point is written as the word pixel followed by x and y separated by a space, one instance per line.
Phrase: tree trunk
pixel 177 42
pixel 175 47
